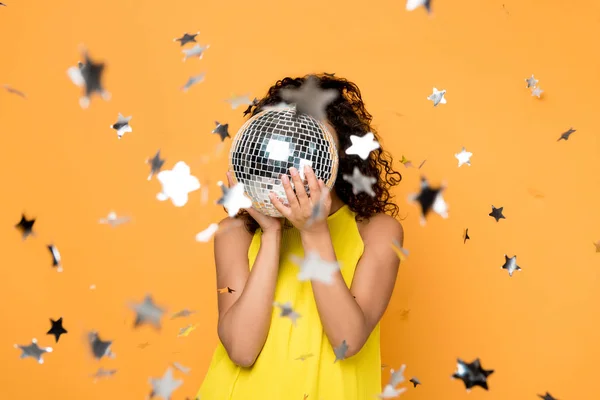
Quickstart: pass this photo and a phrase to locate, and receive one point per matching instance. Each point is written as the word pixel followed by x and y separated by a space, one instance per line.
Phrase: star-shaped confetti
pixel 56 260
pixel 222 130
pixel 472 374
pixel 309 98
pixel 156 164
pixel 437 97
pixel 360 183
pixel 179 367
pixel 183 313
pixel 233 198
pixel 250 106
pixel 208 233
pixel 12 90
pixel 466 236
pixel 406 162
pixel 537 92
pixel 497 213
pixel 196 51
pixel 186 38
pixel 25 226
pixel 565 135
pixel 597 244
pixel 362 146
pixel 314 268
pixel 103 373
pixel 113 219
pixel 147 312
pixel 510 264
pixel 186 330
pixel 99 347
pixel 122 125
pixel 287 311
pixel 414 4
pixel 88 75
pixel 389 392
pixel 177 184
pixel 430 199
pixel 193 80
pixel 531 82
pixel 415 381
pixel 396 377
pixel 57 328
pixel 236 101
pixel 164 386
pixel 464 157
pixel 226 289
pixel 33 350
pixel 546 396
pixel 303 357
pixel 340 351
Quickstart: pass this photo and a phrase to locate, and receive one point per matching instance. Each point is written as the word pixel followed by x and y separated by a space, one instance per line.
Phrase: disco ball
pixel 271 142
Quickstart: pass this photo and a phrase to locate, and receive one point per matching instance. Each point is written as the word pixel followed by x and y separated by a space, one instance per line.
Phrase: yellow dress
pixel 297 362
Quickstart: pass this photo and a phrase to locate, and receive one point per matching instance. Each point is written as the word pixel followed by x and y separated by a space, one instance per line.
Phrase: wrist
pixel 314 236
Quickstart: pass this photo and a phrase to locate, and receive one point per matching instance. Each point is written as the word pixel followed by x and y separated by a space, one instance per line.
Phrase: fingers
pixel 313 184
pixel 289 192
pixel 303 200
pixel 229 179
pixel 285 211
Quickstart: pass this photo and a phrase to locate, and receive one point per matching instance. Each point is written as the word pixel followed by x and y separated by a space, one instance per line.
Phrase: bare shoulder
pixel 232 229
pixel 381 227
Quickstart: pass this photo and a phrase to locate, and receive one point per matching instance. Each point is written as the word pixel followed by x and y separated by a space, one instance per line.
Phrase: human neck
pixel 336 203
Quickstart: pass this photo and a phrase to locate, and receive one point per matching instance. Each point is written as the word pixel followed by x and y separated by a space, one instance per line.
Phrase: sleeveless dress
pixel 297 362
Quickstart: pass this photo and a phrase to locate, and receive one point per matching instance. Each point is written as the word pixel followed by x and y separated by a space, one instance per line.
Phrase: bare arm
pixel 245 315
pixel 352 314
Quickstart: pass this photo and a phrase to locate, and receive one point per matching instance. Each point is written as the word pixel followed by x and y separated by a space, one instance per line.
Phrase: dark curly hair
pixel 348 116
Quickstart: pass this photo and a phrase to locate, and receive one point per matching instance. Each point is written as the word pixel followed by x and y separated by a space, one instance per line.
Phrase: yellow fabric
pixel 279 373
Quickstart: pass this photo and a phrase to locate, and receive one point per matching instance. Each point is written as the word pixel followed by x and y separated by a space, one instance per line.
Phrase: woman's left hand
pixel 303 209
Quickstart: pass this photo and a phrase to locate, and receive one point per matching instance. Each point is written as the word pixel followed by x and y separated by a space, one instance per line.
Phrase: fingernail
pixel 284 178
pixel 293 171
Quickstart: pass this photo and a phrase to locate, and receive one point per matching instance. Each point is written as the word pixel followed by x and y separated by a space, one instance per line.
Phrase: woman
pixel 263 356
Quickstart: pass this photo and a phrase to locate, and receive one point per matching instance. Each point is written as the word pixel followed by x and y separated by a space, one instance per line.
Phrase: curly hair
pixel 348 116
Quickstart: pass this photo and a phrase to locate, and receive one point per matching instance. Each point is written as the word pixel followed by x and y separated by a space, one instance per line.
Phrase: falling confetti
pixel 196 51
pixel 287 311
pixel 497 213
pixel 193 80
pixel 33 350
pixel 156 164
pixel 12 90
pixel 179 367
pixel 103 373
pixel 464 157
pixel 389 392
pixel 57 328
pixel 362 146
pixel 122 125
pixel 546 396
pixel 208 233
pixel 222 130
pixel 186 38
pixel 164 386
pixel 177 184
pixel 472 374
pixel 400 251
pixel 314 268
pixel 414 4
pixel 186 330
pixel 437 97
pixel 406 162
pixel 303 357
pixel 309 98
pixel 430 200
pixel 537 92
pixel 236 101
pixel 317 212
pixel 25 226
pixel 225 290
pixel 88 75
pixel 113 219
pixel 56 260
pixel 99 347
pixel 397 377
pixel 147 312
pixel 597 244
pixel 340 351
pixel 565 136
pixel 422 163
pixel 510 264
pixel 233 198
pixel 183 313
pixel 251 106
pixel 360 183
pixel 415 381
pixel 531 82
pixel 466 236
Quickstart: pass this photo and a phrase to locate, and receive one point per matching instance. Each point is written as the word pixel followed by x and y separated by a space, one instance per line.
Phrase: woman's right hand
pixel 267 223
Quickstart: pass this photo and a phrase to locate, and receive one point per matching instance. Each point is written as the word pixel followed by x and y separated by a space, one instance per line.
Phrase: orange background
pixel 66 167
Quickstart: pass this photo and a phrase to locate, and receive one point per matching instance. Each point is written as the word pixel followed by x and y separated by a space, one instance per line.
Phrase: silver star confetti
pixel 340 351
pixel 430 200
pixel 531 82
pixel 122 125
pixel 362 146
pixel 56 260
pixel 287 311
pixel 186 38
pixel 236 101
pixel 196 51
pixel 192 80
pixel 103 373
pixel 309 98
pixel 147 312
pixel 360 183
pixel 233 198
pixel 464 157
pixel 113 219
pixel 437 97
pixel 99 347
pixel 314 268
pixel 165 386
pixel 88 75
pixel 510 264
pixel 183 313
pixel 537 92
pixel 33 350
pixel 177 184
pixel 156 164
pixel 179 367
pixel 208 233
pixel 414 4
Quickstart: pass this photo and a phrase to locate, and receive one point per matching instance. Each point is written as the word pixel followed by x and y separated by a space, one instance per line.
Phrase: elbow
pixel 354 341
pixel 240 354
